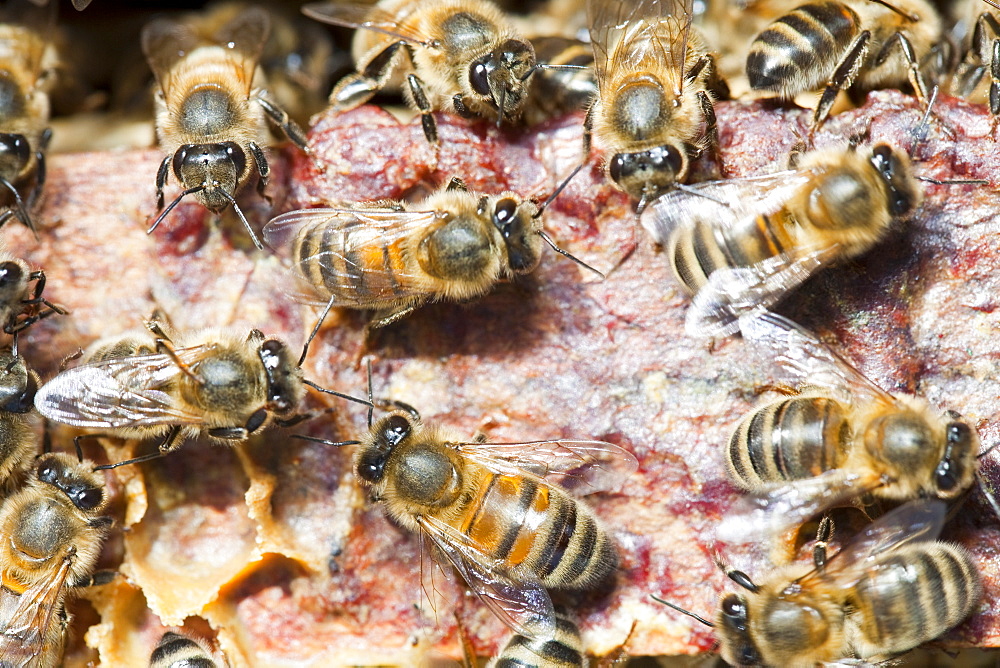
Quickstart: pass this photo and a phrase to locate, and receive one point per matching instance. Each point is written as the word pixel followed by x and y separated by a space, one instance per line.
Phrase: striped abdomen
pixel 555 92
pixel 914 594
pixel 352 263
pixel 695 251
pixel 177 651
pixel 800 51
pixel 522 522
pixel 565 650
pixel 790 439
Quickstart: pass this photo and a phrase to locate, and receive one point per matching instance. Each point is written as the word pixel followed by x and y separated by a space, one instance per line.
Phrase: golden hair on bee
pixel 462 56
pixel 212 109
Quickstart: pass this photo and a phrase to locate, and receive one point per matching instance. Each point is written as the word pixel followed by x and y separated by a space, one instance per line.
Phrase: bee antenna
pixel 315 331
pixel 988 450
pixel 371 400
pixel 954 182
pixel 558 190
pixel 991 3
pixel 170 207
pixel 643 203
pixel 23 213
pixel 697 193
pixel 335 393
pixel 246 223
pixel 503 98
pixel 564 253
pixel 682 610
pixel 985 489
pixel 920 132
pixel 314 439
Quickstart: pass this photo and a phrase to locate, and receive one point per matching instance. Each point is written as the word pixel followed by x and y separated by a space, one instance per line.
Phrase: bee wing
pixel 523 604
pixel 804 360
pixel 583 467
pixel 363 17
pixel 165 42
pixel 25 619
pixel 721 204
pixel 913 522
pixel 631 36
pixel 787 506
pixel 351 234
pixel 121 392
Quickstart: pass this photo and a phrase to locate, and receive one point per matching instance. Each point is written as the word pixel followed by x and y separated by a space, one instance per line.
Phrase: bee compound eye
pixel 504 212
pixel 10 273
pixel 479 77
pixel 86 498
pixel 617 167
pixel 733 607
pixel 395 430
pixel 958 432
pixel 48 473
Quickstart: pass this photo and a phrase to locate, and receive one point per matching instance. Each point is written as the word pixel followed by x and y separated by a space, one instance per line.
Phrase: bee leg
pixel 161 181
pixel 356 89
pixel 843 77
pixel 281 118
pixel 915 76
pixel 823 534
pixel 263 171
pixel 395 404
pixel 169 444
pixel 588 129
pixel 711 130
pixel 427 121
pixel 166 347
pixel 385 317
pixel 69 358
pixel 98 578
pixel 460 107
pixel 995 84
pixel 457 184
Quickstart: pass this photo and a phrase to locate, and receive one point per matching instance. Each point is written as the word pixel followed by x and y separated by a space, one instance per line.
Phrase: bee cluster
pixel 300 545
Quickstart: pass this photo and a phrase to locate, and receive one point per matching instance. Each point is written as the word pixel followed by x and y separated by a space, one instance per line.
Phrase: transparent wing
pixel 788 506
pixel 639 34
pixel 26 619
pixel 735 292
pixel 913 522
pixel 363 17
pixel 520 602
pixel 722 204
pixel 353 256
pixel 165 42
pixel 121 392
pixel 800 360
pixel 583 467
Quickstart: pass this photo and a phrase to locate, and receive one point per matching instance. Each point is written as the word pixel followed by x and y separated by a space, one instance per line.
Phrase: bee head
pixel 15 153
pixel 519 228
pixel 733 622
pixel 284 377
pixel 215 168
pixel 645 175
pixel 386 435
pixel 12 280
pixel 955 472
pixel 500 76
pixel 18 384
pixel 902 192
pixel 83 487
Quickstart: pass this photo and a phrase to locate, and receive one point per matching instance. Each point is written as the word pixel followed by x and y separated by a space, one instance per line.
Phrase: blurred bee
pixel 21 301
pixel 654 106
pixel 891 588
pixel 25 62
pixel 743 244
pixel 837 437
pixel 211 109
pixel 179 651
pixel 839 43
pixel 556 91
pixel 51 533
pixel 142 385
pixel 492 511
pixel 394 257
pixel 978 77
pixel 459 55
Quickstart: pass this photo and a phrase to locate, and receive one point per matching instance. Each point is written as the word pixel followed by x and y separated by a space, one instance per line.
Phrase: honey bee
pixel 459 55
pixel 558 90
pixel 211 109
pixel 837 437
pixel 840 43
pixel 21 301
pixel 982 57
pixel 743 244
pixel 25 62
pixel 890 589
pixel 655 104
pixel 142 385
pixel 563 650
pixel 18 385
pixel 394 257
pixel 178 651
pixel 493 512
pixel 52 531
